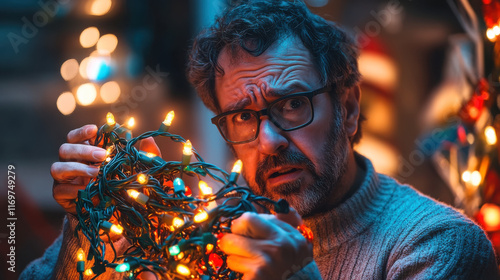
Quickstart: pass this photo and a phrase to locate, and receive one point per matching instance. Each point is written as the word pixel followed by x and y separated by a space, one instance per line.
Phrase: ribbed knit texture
pixel 59 260
pixel 390 231
pixel 384 231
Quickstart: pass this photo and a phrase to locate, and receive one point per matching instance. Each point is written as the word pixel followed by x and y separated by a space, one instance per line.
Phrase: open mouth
pixel 282 172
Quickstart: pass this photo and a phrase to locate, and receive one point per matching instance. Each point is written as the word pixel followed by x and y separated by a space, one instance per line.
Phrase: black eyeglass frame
pixel 264 112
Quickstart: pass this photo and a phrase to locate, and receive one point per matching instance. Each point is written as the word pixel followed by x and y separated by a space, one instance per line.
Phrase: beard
pixel 332 166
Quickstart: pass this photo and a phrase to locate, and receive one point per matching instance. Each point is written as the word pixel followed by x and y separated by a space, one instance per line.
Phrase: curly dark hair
pixel 254 26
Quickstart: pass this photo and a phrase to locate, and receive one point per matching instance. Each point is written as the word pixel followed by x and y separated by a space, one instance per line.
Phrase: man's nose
pixel 271 138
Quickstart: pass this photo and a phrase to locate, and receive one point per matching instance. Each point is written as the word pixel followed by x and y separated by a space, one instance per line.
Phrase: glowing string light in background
pixel 110 92
pixel 66 103
pixel 107 44
pixel 100 7
pixel 491 135
pixel 69 69
pixel 86 94
pixel 89 37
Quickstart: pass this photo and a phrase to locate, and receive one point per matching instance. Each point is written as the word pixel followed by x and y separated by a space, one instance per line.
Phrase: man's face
pixel 302 166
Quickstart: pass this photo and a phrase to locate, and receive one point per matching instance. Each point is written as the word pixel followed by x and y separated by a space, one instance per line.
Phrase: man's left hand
pixel 263 247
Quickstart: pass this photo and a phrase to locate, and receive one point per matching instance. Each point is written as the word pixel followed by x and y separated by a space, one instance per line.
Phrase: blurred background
pixel 66 63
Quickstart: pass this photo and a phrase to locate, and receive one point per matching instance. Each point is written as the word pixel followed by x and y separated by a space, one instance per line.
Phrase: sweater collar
pixel 353 216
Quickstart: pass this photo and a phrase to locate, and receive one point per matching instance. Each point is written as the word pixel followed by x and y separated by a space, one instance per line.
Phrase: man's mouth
pixel 282 172
pixel 283 175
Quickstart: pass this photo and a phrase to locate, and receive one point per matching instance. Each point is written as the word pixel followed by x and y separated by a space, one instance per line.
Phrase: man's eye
pixel 293 104
pixel 242 117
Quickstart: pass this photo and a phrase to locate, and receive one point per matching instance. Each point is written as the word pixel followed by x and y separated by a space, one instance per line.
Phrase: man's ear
pixel 352 110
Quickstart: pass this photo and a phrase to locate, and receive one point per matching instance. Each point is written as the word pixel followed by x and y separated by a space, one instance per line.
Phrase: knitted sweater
pixel 384 231
pixel 390 231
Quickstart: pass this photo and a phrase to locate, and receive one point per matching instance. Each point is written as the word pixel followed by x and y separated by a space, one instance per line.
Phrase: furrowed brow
pixel 240 104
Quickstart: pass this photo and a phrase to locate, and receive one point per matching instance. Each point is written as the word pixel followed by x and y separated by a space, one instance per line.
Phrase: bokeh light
pixel 100 7
pixel 69 69
pixel 89 37
pixel 83 67
pixel 66 103
pixel 110 92
pixel 98 68
pixel 86 94
pixel 491 135
pixel 107 44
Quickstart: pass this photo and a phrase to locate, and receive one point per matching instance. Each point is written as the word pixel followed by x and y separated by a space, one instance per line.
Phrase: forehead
pixel 285 67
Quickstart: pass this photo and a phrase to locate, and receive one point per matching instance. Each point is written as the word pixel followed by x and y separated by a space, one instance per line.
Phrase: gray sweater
pixel 384 231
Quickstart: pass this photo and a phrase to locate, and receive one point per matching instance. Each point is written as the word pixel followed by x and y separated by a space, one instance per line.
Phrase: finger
pixel 65 195
pixel 241 264
pixel 81 153
pixel 234 244
pixel 79 135
pixel 65 171
pixel 259 226
pixel 148 145
pixel 292 218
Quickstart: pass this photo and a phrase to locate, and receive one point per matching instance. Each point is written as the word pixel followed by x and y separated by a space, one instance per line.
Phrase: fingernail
pixel 99 155
pixel 92 171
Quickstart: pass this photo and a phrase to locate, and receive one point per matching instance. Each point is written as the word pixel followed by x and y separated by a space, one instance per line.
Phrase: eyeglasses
pixel 288 113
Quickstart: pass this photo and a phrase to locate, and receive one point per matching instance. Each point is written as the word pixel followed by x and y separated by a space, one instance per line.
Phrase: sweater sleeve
pixel 452 250
pixel 59 260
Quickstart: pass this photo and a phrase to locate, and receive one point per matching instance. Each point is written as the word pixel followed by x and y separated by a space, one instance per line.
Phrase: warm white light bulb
pixel 169 118
pixel 237 166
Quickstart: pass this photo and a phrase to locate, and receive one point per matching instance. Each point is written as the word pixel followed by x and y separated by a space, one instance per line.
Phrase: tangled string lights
pixel 143 197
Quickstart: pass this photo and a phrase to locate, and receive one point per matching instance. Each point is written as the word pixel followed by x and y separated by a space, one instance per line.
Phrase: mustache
pixel 285 157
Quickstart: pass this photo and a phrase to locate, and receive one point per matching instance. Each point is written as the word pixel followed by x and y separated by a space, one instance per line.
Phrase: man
pixel 284 85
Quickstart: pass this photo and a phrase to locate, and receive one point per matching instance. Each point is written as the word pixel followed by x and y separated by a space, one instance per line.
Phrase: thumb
pixel 148 145
pixel 292 218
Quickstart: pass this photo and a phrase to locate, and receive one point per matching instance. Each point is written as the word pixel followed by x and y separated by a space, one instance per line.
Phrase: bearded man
pixel 284 85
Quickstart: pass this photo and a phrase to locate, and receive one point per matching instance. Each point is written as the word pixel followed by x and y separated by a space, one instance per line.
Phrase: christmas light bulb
pixel 174 250
pixel 188 148
pixel 179 186
pixel 109 227
pixel 138 196
pixel 165 125
pixel 183 270
pixel 123 267
pixel 117 229
pixel 88 272
pixel 490 34
pixel 80 255
pixel 201 216
pixel 491 135
pixel 80 264
pixel 177 222
pixel 209 248
pixel 142 179
pixel 109 150
pixel 169 118
pixel 204 188
pixel 151 155
pixel 237 166
pixel 187 151
pixel 235 172
pixel 110 119
pixel 133 193
pixel 131 123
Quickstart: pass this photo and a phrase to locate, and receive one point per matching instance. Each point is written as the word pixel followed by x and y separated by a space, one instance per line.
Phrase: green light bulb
pixel 123 267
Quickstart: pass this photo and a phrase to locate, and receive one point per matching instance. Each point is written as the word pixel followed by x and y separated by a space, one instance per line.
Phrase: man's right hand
pixel 75 168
